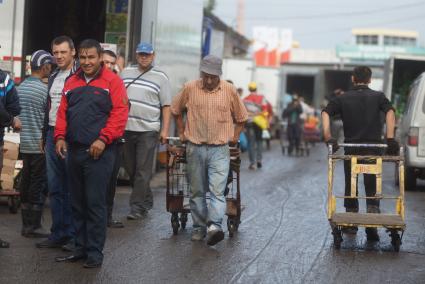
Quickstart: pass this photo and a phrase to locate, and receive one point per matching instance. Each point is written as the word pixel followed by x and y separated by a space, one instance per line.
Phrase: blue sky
pixel 325 23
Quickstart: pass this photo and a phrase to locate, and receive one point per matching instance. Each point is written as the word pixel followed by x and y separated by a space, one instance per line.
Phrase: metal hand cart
pixel 394 223
pixel 178 189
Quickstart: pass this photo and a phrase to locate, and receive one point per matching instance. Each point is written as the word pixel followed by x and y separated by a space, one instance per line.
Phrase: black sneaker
pixel 115 224
pixel 69 247
pixel 372 234
pixel 4 244
pixel 352 230
pixel 214 235
pixel 259 165
pixel 92 263
pixel 50 244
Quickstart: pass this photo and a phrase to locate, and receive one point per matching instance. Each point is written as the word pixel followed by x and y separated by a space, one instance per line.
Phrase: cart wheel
pixel 232 226
pixel 13 204
pixel 183 220
pixel 395 240
pixel 175 223
pixel 337 238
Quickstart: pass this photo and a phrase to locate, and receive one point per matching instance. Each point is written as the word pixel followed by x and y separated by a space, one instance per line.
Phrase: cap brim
pixel 210 71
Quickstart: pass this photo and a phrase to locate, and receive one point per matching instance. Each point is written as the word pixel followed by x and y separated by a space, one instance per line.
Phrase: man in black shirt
pixel 361 112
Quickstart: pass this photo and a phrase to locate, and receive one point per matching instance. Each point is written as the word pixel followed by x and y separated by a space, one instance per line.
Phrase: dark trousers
pixel 59 194
pixel 138 153
pixel 294 136
pixel 369 180
pixel 33 179
pixel 113 180
pixel 89 180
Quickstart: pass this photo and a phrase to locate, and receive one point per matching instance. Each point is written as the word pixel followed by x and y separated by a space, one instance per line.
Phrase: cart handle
pixel 362 145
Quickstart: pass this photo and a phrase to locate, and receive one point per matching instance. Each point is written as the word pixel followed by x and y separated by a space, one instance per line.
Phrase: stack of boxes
pixel 10 155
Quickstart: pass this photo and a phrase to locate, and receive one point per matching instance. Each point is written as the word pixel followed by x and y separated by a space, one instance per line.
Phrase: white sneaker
pixel 198 234
pixel 214 235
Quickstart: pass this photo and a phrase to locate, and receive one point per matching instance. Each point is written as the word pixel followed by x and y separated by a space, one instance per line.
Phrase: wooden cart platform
pixel 368 219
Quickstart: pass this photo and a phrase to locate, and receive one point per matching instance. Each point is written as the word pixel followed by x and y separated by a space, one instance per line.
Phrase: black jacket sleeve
pixel 9 105
pixel 12 102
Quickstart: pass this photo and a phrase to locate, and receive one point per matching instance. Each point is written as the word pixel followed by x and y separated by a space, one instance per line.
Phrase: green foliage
pixel 116 22
pixel 209 6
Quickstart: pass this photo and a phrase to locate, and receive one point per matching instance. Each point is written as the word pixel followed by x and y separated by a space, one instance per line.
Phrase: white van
pixel 412 133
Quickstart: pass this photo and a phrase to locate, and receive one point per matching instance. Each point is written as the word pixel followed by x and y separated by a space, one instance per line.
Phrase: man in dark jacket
pixel 292 114
pixel 9 110
pixel 62 231
pixel 360 110
pixel 92 115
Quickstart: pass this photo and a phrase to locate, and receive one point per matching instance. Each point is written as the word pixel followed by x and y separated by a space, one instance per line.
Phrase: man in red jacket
pixel 92 115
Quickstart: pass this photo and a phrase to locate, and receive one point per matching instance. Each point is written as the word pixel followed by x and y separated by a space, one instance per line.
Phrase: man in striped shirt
pixel 148 90
pixel 215 118
pixel 33 99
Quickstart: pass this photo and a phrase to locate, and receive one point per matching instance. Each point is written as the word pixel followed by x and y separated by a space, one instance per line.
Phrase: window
pixel 367 39
pixel 399 41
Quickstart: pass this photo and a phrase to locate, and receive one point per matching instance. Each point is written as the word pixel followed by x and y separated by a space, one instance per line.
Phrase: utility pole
pixel 241 17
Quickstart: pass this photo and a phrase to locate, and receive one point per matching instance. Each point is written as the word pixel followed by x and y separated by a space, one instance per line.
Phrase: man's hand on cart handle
pixel 332 141
pixel 393 147
pixel 182 137
pixel 234 142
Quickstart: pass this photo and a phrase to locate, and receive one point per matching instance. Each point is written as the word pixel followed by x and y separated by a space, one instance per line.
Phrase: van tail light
pixel 413 136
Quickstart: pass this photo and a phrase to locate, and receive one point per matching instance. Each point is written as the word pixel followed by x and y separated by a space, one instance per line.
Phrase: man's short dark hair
pixel 109 52
pixel 90 43
pixel 362 74
pixel 61 39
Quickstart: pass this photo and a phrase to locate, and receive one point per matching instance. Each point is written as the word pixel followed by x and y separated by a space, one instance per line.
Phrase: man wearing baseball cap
pixel 33 99
pixel 148 90
pixel 215 117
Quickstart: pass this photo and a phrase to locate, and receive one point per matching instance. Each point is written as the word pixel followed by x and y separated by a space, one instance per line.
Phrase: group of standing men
pixel 77 127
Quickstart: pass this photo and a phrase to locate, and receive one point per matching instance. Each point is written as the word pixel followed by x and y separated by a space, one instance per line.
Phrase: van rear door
pixel 419 117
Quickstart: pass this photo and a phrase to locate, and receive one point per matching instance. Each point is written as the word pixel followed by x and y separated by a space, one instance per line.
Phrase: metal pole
pixel 12 52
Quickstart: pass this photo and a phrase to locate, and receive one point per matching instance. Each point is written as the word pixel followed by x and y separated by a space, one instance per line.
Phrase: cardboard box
pixel 10 150
pixel 7 182
pixel 8 167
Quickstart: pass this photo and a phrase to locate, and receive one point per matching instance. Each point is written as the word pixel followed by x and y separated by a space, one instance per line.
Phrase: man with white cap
pixel 33 99
pixel 148 90
pixel 215 118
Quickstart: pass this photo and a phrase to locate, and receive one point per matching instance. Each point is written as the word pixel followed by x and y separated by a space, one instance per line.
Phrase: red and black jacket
pixel 94 110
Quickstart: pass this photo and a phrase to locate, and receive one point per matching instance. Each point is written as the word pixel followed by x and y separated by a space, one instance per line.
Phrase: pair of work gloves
pixel 393 147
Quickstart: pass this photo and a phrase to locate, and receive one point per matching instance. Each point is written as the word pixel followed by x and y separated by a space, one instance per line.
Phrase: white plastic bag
pixel 266 134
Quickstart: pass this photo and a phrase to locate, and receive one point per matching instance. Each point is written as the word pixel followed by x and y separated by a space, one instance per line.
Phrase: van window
pixel 411 100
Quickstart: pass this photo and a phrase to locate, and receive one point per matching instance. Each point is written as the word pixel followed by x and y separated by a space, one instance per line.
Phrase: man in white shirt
pixel 62 230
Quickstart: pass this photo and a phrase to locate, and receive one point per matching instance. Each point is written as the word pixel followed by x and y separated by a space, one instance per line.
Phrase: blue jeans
pixel 255 143
pixel 57 183
pixel 207 170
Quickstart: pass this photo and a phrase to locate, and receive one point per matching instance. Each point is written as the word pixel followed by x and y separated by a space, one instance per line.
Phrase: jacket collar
pixel 99 72
pixel 360 87
pixel 74 69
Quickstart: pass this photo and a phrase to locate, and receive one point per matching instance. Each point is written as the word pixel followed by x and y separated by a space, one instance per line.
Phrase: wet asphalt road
pixel 284 238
